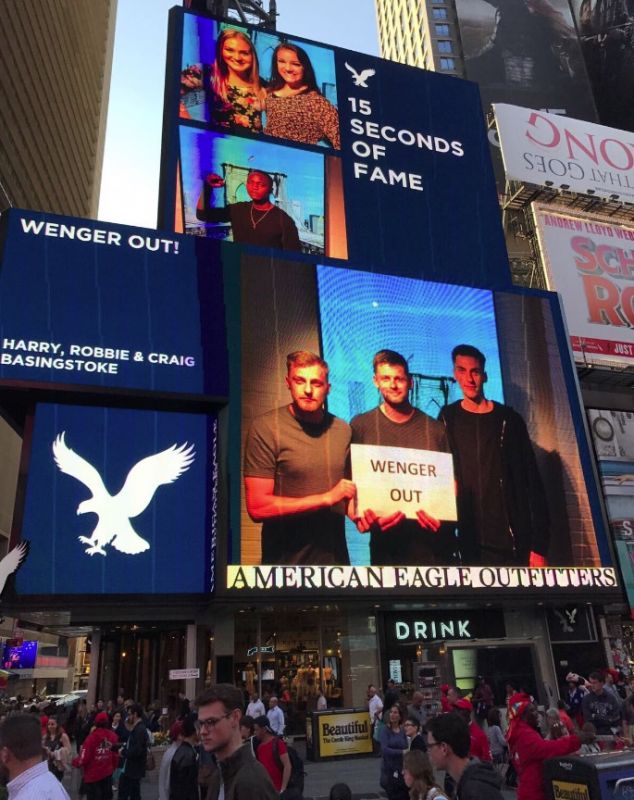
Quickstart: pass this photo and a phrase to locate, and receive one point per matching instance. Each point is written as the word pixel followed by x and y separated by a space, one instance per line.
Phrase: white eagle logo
pixel 360 78
pixel 12 562
pixel 115 512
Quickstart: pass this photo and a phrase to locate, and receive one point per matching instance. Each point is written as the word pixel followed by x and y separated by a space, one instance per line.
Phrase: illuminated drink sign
pixel 440 626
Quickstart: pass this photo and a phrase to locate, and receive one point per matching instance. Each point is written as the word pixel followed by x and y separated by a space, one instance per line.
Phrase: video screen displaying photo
pixel 253 192
pixel 389 422
pixel 240 79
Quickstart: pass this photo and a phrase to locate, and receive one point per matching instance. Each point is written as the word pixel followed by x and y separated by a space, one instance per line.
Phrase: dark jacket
pixel 184 773
pixel 243 778
pixel 135 752
pixel 479 781
pixel 524 495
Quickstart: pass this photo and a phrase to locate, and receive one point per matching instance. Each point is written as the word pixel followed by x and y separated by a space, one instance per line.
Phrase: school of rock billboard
pixel 355 433
pixel 590 263
pixel 549 150
pixel 613 434
pixel 351 167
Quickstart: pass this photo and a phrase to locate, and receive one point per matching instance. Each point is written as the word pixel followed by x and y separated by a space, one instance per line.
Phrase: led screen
pixel 604 28
pixel 363 159
pixel 527 54
pixel 108 306
pixel 20 656
pixel 119 501
pixel 401 463
pixel 613 435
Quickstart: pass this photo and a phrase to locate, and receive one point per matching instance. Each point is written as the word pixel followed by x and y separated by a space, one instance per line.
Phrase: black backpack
pixel 296 781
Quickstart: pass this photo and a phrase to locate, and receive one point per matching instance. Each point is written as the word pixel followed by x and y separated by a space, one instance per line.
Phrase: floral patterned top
pixel 243 109
pixel 307 117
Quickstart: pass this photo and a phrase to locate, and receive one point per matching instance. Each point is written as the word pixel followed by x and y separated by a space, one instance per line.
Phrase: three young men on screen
pixel 296 484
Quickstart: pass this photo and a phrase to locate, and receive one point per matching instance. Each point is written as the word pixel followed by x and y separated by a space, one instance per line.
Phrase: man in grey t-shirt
pixel 294 464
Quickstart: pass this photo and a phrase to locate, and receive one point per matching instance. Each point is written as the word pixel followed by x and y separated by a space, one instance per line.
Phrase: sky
pixel 129 188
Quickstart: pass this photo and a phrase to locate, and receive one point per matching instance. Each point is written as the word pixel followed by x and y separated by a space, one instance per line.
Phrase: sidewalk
pixel 361 775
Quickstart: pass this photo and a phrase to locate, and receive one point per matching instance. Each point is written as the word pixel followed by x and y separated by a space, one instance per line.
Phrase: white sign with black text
pixel 390 479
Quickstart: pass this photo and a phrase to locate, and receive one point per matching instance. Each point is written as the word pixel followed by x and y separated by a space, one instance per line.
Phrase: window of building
pixel 442 30
pixel 444 46
pixel 439 13
pixel 447 63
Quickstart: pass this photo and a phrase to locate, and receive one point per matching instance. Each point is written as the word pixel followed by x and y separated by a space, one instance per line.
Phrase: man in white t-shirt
pixel 276 717
pixel 255 708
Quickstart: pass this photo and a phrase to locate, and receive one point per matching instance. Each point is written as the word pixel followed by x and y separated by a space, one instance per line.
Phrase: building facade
pixel 56 60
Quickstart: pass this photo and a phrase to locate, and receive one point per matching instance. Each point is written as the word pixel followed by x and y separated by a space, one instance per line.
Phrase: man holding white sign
pixel 502 511
pixel 403 474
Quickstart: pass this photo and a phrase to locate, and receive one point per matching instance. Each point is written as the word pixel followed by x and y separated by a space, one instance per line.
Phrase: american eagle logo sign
pixel 114 512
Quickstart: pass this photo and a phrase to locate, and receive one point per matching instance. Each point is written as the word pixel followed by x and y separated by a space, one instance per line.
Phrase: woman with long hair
pixel 235 96
pixel 418 775
pixel 393 745
pixel 295 108
pixel 56 745
pixel 235 83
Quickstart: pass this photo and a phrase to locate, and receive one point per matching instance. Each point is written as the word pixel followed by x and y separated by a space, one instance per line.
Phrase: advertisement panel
pixel 606 32
pixel 613 434
pixel 86 303
pixel 279 142
pixel 549 150
pixel 357 358
pixel 20 656
pixel 590 263
pixel 344 734
pixel 119 501
pixel 526 53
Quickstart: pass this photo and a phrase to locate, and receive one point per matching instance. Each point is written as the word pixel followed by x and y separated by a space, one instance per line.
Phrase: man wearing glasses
pixel 239 776
pixel 448 742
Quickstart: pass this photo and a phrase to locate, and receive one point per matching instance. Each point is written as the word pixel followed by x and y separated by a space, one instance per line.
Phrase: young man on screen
pixel 396 423
pixel 502 511
pixel 294 464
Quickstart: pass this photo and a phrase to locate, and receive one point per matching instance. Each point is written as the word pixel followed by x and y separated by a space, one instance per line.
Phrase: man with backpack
pixel 281 762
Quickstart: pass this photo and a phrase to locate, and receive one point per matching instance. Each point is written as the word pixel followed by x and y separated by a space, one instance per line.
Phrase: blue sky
pixel 129 189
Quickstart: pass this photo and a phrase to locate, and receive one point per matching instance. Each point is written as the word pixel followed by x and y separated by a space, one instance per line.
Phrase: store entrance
pixel 502 666
pixel 294 655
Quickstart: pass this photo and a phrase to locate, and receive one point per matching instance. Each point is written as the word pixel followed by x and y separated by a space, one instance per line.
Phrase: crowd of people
pixel 219 751
pixel 467 739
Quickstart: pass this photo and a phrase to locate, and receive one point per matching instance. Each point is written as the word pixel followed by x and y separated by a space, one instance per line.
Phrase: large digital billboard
pixel 119 501
pixel 606 31
pixel 590 262
pixel 550 150
pixel 526 53
pixel 91 304
pixel 279 142
pixel 613 434
pixel 369 399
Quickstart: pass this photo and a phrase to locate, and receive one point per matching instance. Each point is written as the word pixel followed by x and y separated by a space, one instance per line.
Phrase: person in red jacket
pixel 529 749
pixel 479 740
pixel 99 759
